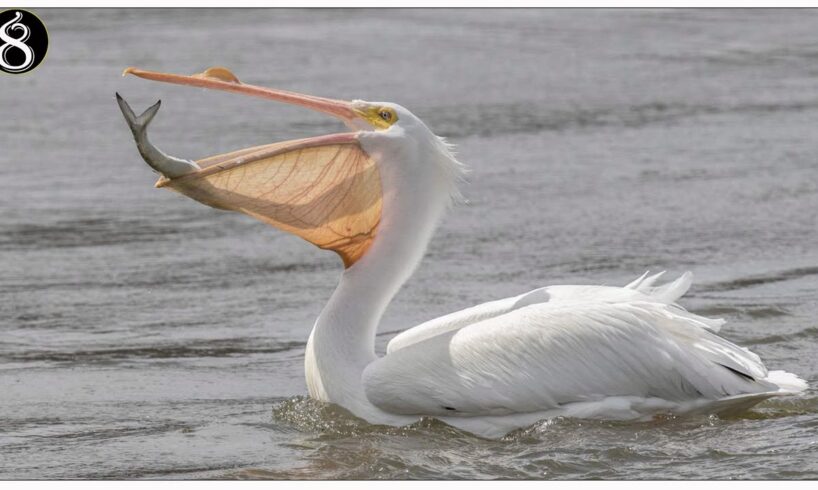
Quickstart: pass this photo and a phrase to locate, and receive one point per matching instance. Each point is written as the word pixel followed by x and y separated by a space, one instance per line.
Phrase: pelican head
pixel 336 191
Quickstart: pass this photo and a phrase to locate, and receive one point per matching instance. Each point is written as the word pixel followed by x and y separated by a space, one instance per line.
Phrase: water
pixel 143 335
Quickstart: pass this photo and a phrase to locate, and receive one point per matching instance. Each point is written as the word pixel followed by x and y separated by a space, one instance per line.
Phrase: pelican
pixel 374 195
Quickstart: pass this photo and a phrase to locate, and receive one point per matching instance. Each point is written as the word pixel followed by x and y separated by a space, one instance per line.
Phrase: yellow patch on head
pixel 380 117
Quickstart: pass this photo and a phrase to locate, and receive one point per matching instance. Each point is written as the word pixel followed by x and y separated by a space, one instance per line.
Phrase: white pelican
pixel 375 196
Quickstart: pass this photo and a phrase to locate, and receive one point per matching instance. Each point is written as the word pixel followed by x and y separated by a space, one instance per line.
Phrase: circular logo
pixel 23 41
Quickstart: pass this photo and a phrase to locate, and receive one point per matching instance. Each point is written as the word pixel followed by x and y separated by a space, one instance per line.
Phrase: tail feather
pixel 787 382
pixel 718 350
pixel 650 280
pixel 637 282
pixel 666 293
pixel 672 291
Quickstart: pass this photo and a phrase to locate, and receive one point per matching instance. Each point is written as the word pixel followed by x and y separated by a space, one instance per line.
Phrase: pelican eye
pixel 380 117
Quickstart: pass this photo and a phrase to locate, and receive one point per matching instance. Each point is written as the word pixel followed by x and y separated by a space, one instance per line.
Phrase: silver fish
pixel 170 167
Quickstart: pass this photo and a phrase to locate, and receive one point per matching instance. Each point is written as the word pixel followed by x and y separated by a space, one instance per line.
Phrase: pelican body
pixel 375 195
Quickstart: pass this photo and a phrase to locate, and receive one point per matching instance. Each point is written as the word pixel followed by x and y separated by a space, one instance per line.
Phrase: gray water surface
pixel 143 335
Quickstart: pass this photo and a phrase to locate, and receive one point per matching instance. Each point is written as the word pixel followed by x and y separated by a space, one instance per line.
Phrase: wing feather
pixel 639 290
pixel 549 354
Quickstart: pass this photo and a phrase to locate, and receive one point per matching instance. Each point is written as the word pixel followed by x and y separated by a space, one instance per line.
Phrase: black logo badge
pixel 23 41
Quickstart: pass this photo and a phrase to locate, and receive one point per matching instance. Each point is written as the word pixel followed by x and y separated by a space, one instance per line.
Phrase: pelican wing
pixel 546 355
pixel 638 290
pixel 326 190
pixel 463 318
